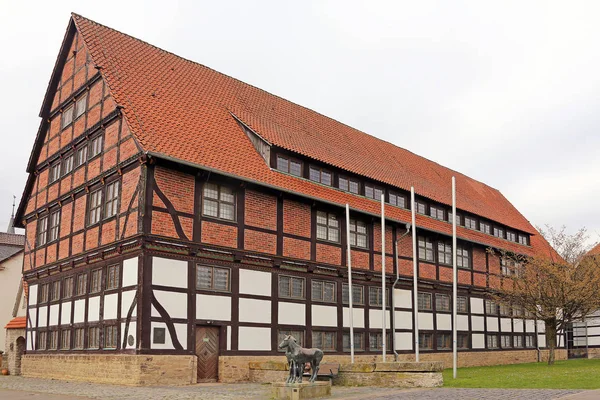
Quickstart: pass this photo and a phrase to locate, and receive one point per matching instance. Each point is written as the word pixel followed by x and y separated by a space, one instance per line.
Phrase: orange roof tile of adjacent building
pixel 182 110
pixel 17 323
pixel 595 251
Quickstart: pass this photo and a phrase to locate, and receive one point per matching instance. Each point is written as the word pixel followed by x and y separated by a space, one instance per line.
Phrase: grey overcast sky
pixel 505 92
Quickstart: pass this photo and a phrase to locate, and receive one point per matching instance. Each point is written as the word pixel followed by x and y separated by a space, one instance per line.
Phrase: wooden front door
pixel 207 351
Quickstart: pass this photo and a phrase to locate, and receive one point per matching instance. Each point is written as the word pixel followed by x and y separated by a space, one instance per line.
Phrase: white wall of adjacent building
pixel 10 278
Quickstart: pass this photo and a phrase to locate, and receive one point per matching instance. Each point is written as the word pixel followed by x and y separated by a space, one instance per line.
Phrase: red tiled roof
pixel 595 251
pixel 179 109
pixel 17 323
pixel 12 239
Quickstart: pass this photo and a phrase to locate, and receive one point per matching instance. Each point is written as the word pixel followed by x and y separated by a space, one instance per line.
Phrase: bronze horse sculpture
pixel 298 357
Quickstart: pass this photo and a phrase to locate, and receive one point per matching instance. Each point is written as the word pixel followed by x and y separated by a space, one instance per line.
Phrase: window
pixel 78 344
pixel 462 341
pixel 376 341
pixel 517 311
pixel 421 207
pixel 110 337
pixel 42 231
pixel 93 339
pixel 373 192
pixel 323 340
pixel 492 341
pixel 320 175
pixel 397 200
pixel 288 165
pixel 67 165
pixel 212 278
pixel 67 117
pixel 511 236
pixel 218 202
pixel 80 106
pixel 485 228
pixel 65 339
pixel 499 232
pixel 328 227
pixel 95 146
pixel 523 240
pixel 54 172
pixel 444 253
pixel 159 335
pixel 444 341
pixel 462 258
pixel 323 291
pixel 53 345
pixel 506 341
pixel 81 284
pixel 42 340
pixel 55 291
pixel 54 226
pixel 462 305
pixel 442 302
pixel 296 334
pixel 81 155
pixel 491 308
pixel 510 267
pixel 291 287
pixel 375 298
pixel 112 277
pixel 470 223
pixel 43 293
pixel 95 207
pixel 529 341
pixel 424 302
pixel 504 310
pixel 426 341
pixel 357 295
pixel 358 234
pixel 348 185
pixel 96 284
pixel 68 284
pixel 359 341
pixel 425 249
pixel 518 341
pixel 437 213
pixel 450 218
pixel 111 203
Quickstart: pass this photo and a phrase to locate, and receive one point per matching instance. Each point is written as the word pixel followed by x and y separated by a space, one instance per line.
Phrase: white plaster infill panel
pixel 477 323
pixel 402 298
pixel 180 330
pixel 478 340
pixel 93 309
pixel 131 332
pixel 324 315
pixel 79 312
pixel 211 307
pixel 33 289
pixel 444 322
pixel 403 320
pixel 255 282
pixel 126 302
pixel 65 313
pixel 376 321
pixel 42 316
pixel 110 306
pixel 425 321
pixel 462 322
pixel 251 338
pixel 32 321
pixel 167 272
pixel 30 340
pixel 530 325
pixel 54 315
pixel 404 341
pixel 518 325
pixel 492 324
pixel 130 272
pixel 257 311
pixel 476 305
pixel 228 337
pixel 358 317
pixel 291 313
pixel 174 303
pixel 505 325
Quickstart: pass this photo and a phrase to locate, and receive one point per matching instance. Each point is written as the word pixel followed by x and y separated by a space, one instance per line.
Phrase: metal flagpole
pixel 415 277
pixel 454 279
pixel 349 258
pixel 383 274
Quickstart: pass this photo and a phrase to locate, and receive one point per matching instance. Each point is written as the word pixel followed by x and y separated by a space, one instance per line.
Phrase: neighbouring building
pixel 182 221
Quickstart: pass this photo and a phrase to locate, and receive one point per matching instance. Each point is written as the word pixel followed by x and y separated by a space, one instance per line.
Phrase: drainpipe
pixel 393 287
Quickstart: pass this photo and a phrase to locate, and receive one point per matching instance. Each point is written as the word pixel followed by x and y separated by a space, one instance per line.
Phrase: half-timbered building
pixel 179 222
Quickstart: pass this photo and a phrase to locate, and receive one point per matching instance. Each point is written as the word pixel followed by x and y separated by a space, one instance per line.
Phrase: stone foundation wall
pixel 594 352
pixel 14 350
pixel 122 369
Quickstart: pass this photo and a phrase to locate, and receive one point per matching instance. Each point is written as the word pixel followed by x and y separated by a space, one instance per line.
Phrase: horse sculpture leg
pixel 292 375
pixel 315 365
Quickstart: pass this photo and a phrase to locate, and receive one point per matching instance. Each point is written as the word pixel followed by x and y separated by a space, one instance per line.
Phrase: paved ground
pixel 17 388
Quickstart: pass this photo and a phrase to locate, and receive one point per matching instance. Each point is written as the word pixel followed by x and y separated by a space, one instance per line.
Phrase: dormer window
pixel 511 236
pixel 523 239
pixel 348 185
pixel 320 175
pixel 470 223
pixel 436 212
pixel 373 192
pixel 499 232
pixel 397 200
pixel 291 166
pixel 421 207
pixel 450 218
pixel 485 227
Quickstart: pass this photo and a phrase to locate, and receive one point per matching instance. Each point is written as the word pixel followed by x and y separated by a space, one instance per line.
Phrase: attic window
pixel 373 192
pixel 397 200
pixel 320 175
pixel 348 185
pixel 289 165
pixel 67 117
pixel 523 239
pixel 80 106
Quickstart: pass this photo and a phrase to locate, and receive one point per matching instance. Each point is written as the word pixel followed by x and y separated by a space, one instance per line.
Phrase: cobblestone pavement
pixel 18 388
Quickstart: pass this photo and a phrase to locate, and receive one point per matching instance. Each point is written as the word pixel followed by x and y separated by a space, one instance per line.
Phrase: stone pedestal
pixel 297 391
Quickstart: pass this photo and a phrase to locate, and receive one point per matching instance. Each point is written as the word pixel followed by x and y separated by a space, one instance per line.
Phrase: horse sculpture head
pixel 286 341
